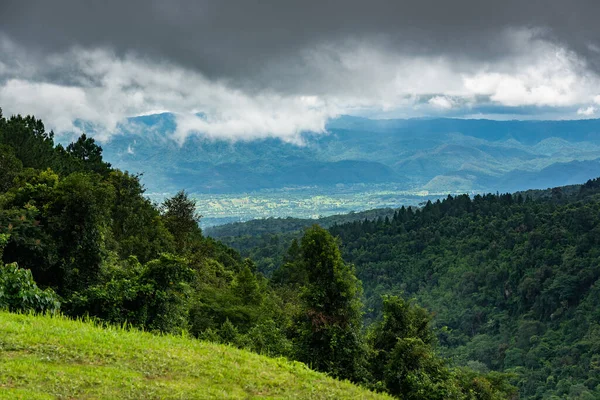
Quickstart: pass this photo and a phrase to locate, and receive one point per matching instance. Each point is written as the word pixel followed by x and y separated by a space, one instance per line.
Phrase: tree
pixel 137 226
pixel 169 303
pixel 292 272
pixel 10 166
pixel 403 359
pixel 246 286
pixel 78 219
pixel 32 145
pixel 89 154
pixel 181 219
pixel 329 337
pixel 18 290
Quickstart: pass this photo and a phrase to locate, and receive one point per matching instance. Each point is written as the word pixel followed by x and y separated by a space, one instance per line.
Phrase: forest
pixel 511 279
pixel 461 298
pixel 78 238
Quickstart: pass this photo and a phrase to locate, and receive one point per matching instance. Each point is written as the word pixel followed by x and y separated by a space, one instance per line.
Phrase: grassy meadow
pixel 44 357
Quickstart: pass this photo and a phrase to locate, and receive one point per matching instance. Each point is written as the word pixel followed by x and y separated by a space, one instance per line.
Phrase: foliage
pixel 10 166
pixel 137 227
pixel 85 231
pixel 277 226
pixel 88 154
pixel 405 363
pixel 18 292
pixel 181 219
pixel 29 141
pixel 511 280
pixel 329 328
pixel 401 321
pixel 170 278
pixel 154 296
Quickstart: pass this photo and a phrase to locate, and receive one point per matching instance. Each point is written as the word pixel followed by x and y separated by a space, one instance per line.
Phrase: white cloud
pixel 60 104
pixel 546 75
pixel 354 77
pixel 443 102
pixel 113 89
pixel 586 111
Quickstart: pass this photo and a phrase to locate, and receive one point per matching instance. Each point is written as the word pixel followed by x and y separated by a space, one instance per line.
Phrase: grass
pixel 44 357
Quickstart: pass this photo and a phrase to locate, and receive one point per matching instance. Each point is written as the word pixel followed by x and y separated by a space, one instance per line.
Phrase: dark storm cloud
pixel 261 41
pixel 277 68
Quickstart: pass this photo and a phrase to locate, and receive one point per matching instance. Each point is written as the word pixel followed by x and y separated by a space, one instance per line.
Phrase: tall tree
pixel 79 219
pixel 403 359
pixel 329 337
pixel 181 219
pixel 89 154
pixel 137 226
pixel 10 166
pixel 29 140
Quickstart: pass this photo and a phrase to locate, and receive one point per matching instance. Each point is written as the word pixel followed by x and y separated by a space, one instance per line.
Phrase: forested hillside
pixel 259 227
pixel 78 237
pixel 512 281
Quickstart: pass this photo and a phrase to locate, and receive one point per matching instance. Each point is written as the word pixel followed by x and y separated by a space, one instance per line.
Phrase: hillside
pixel 513 280
pixel 45 357
pixel 265 241
pixel 259 227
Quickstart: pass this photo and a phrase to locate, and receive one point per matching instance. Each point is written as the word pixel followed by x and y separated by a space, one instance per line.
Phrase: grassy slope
pixel 44 358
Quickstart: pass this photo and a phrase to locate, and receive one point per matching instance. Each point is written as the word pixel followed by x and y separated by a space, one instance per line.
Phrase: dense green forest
pixel 511 279
pixel 266 241
pixel 259 227
pixel 78 237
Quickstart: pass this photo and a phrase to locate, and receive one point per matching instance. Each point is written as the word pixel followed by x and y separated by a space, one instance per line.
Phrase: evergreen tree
pixel 403 359
pixel 329 337
pixel 181 219
pixel 88 154
pixel 246 286
pixel 292 272
pixel 29 140
pixel 10 166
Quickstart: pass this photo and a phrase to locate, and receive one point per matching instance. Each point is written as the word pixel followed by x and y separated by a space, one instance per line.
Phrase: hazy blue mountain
pixel 436 155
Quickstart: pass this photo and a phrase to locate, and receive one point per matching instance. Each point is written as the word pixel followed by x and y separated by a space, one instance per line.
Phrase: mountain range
pixel 434 155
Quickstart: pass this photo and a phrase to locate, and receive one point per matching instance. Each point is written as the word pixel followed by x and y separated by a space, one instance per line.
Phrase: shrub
pixel 19 292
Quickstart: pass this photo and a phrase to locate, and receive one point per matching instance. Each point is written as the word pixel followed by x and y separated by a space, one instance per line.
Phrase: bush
pixel 19 292
pixel 154 296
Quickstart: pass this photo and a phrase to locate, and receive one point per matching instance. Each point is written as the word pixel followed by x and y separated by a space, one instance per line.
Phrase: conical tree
pixel 329 337
pixel 181 219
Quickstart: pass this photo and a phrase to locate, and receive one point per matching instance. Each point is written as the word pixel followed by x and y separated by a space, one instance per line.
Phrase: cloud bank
pixel 242 70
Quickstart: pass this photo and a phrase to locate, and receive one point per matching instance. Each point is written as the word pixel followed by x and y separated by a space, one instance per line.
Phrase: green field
pixel 43 357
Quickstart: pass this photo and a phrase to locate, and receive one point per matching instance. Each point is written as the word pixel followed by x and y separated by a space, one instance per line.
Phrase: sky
pixel 248 69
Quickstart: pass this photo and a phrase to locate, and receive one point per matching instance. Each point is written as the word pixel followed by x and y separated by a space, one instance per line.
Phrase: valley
pixel 306 202
pixel 359 164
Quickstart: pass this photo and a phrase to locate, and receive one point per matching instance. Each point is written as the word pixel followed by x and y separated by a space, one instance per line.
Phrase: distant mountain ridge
pixel 417 154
